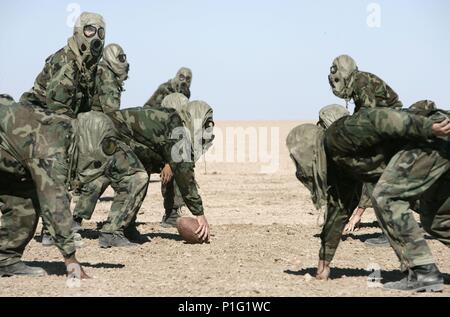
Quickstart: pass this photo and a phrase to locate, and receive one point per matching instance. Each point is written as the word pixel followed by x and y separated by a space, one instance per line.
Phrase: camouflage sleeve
pixel 365 201
pixel 49 176
pixel 343 199
pixel 157 98
pixel 62 89
pixel 182 167
pixel 109 93
pixel 393 124
pixel 332 231
pixel 364 97
pixel 185 178
pixel 152 161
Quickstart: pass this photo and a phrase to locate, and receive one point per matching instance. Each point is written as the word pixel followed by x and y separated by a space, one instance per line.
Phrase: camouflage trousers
pixel 410 175
pixel 19 217
pixel 172 196
pixel 128 178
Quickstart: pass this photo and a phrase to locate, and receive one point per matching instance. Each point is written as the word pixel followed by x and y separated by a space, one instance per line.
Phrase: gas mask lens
pixel 333 69
pixel 122 58
pixel 101 33
pixel 90 31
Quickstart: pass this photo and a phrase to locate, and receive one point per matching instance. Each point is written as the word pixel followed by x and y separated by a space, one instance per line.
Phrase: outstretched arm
pixel 49 176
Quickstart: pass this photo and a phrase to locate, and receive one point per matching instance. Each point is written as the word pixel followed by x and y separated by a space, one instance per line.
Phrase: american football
pixel 186 227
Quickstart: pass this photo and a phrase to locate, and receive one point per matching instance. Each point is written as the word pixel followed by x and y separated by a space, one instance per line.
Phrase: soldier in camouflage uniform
pixel 66 84
pixel 41 153
pixel 111 73
pixel 180 84
pixel 33 168
pixel 197 117
pixel 365 202
pixel 157 135
pixel 138 127
pixel 367 90
pixel 358 148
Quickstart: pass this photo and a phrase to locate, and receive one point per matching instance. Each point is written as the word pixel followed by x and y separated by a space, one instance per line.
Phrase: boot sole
pixel 108 246
pixel 436 288
pixel 377 245
pixel 167 225
pixel 31 275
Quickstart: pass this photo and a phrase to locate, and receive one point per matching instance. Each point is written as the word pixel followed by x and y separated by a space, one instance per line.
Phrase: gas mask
pixel 198 118
pixel 116 60
pixel 89 34
pixel 182 81
pixel 341 76
pixel 306 149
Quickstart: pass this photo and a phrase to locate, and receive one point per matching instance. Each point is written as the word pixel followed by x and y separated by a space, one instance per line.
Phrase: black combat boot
pixel 47 240
pixel 109 240
pixel 380 241
pixel 169 219
pixel 76 225
pixel 133 234
pixel 423 278
pixel 21 268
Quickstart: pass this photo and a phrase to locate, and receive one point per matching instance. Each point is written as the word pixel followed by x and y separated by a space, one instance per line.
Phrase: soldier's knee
pixel 141 179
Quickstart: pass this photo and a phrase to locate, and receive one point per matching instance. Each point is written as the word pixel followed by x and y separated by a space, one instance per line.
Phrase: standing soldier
pixel 66 84
pixel 181 84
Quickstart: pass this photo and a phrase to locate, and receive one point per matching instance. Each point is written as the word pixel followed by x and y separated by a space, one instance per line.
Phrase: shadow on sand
pixel 58 268
pixel 386 276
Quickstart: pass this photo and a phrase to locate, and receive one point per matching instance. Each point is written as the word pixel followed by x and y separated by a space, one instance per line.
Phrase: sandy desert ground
pixel 265 243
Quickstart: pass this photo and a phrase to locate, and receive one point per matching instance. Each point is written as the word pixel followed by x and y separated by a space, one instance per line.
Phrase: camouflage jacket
pixel 370 91
pixel 108 90
pixel 162 92
pixel 358 148
pixel 156 129
pixel 34 146
pixel 64 85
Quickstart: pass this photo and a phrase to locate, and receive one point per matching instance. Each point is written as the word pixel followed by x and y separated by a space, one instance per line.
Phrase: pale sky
pixel 253 59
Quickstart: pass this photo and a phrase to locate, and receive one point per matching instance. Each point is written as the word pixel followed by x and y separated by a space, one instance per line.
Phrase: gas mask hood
pixel 330 114
pixel 89 34
pixel 341 77
pixel 116 59
pixel 306 149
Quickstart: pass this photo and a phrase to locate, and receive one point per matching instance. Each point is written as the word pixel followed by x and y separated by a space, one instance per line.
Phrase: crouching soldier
pixel 372 138
pixel 197 117
pixel 197 127
pixel 161 131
